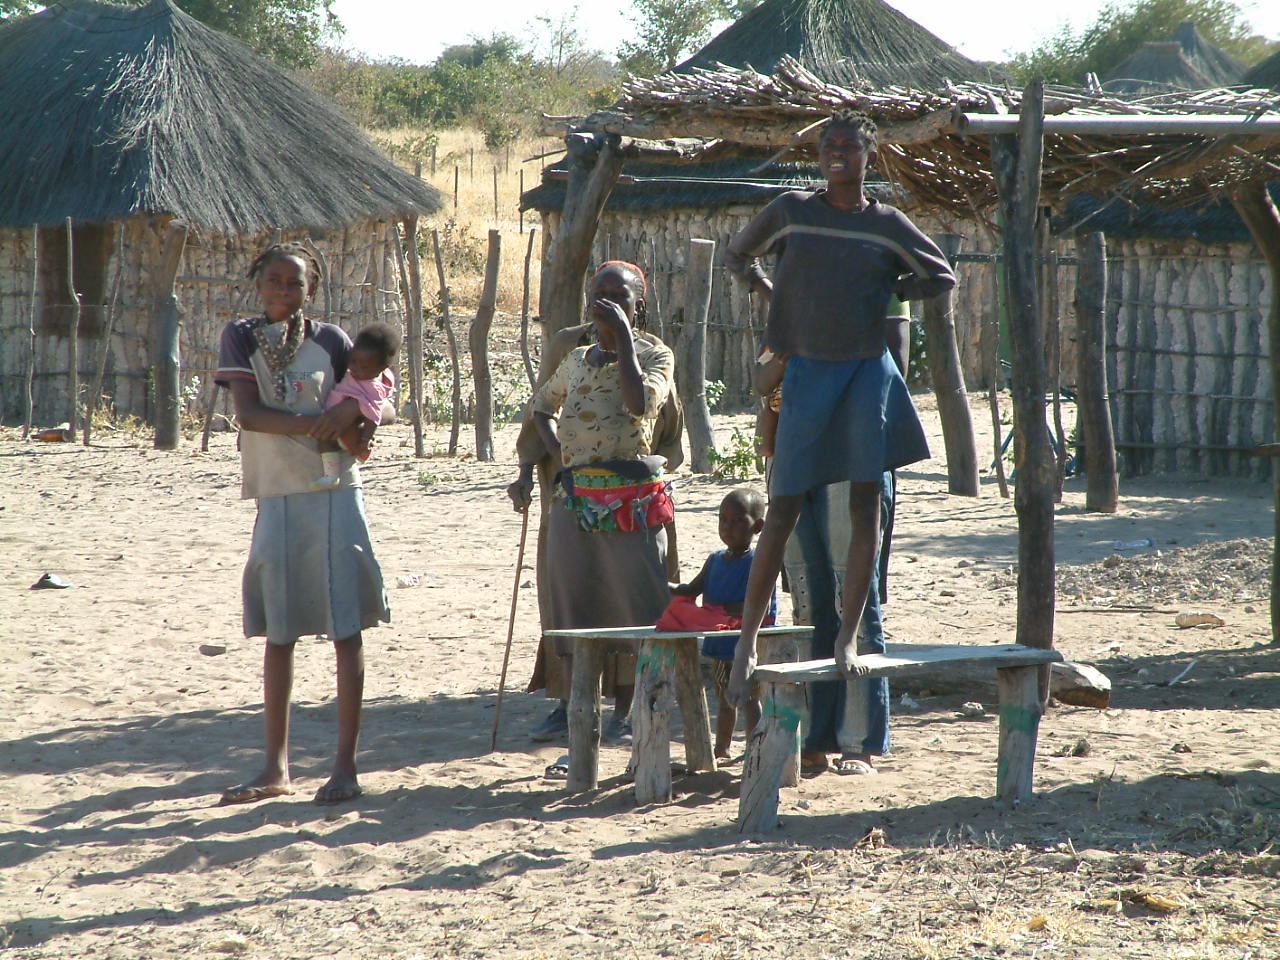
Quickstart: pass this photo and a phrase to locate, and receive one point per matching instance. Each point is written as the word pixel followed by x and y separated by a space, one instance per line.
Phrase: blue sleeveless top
pixel 726 583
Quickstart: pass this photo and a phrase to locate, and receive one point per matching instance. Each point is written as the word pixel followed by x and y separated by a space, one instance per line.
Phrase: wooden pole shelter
pixel 478 341
pixel 1102 492
pixel 168 327
pixel 990 343
pixel 94 396
pixel 524 313
pixel 34 313
pixel 1016 162
pixel 948 385
pixel 407 257
pixel 594 165
pixel 691 356
pixel 447 323
pixel 73 336
pixel 1256 209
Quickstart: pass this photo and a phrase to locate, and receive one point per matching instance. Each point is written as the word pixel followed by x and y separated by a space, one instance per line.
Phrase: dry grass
pixel 473 215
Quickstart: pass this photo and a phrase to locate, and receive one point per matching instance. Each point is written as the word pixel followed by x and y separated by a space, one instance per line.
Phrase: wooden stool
pixel 667 674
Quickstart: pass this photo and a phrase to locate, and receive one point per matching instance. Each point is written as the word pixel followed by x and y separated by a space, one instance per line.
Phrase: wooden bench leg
pixel 1019 691
pixel 772 748
pixel 784 649
pixel 584 716
pixel 692 695
pixel 651 720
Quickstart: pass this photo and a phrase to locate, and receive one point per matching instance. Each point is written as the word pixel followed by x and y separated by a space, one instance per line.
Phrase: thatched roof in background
pixel 1219 67
pixel 110 111
pixel 922 152
pixel 860 44
pixel 705 187
pixel 1265 75
pixel 1214 222
pixel 1156 68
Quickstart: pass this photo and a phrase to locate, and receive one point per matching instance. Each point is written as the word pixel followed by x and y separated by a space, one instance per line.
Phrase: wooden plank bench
pixel 667 674
pixel 774 741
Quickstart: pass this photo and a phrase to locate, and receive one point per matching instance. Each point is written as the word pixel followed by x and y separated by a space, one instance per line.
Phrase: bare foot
pixel 847 658
pixel 813 761
pixel 739 687
pixel 340 787
pixel 262 787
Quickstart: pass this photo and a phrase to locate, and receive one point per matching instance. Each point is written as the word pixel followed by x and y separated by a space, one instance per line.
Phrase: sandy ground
pixel 131 700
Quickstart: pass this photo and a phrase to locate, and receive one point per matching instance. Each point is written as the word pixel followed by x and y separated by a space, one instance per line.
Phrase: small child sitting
pixel 369 381
pixel 722 584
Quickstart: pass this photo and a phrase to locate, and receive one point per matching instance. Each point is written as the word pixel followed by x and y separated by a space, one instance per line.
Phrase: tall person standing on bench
pixel 846 413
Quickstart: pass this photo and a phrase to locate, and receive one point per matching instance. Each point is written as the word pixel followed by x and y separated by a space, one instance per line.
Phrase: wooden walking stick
pixel 511 628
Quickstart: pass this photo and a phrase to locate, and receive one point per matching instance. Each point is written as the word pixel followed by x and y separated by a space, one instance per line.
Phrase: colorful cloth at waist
pixel 605 501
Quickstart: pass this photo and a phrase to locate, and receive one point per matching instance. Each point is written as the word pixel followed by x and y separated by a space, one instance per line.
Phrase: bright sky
pixel 417 31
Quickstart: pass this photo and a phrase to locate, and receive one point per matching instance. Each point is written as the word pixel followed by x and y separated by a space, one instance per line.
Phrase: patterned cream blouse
pixel 594 423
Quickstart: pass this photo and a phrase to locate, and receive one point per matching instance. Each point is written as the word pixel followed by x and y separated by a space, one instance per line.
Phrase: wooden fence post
pixel 948 384
pixel 409 262
pixel 95 392
pixel 73 337
pixel 1017 163
pixel 478 340
pixel 167 326
pixel 524 314
pixel 35 312
pixel 691 358
pixel 1102 493
pixel 447 323
pixel 1259 213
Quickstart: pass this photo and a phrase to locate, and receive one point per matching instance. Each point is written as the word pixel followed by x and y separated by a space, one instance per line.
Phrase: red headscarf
pixel 626 264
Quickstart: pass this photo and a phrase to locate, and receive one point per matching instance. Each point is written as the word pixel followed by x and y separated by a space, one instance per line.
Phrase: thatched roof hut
pixel 655 208
pixel 1264 75
pixel 860 44
pixel 1187 61
pixel 1220 67
pixel 122 119
pixel 1156 68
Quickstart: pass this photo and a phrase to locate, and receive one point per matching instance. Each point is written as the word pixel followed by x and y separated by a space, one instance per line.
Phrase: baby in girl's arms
pixel 369 382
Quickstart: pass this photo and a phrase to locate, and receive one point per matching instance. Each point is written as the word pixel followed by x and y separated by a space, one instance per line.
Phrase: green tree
pixel 670 30
pixel 1068 56
pixel 287 31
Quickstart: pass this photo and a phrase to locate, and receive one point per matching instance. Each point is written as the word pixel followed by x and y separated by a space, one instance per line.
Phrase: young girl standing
pixel 311 568
pixel 846 413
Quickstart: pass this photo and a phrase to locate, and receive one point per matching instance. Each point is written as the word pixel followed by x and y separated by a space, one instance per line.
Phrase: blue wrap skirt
pixel 843 420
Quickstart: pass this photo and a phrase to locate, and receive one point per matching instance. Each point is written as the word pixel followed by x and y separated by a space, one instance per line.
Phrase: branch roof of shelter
pixel 111 112
pixel 921 150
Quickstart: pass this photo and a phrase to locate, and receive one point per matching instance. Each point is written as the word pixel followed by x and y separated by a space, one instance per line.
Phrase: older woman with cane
pixel 601 428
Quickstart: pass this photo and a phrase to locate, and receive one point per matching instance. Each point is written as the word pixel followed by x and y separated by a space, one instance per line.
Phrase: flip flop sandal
pixel 244 793
pixel 558 770
pixel 849 767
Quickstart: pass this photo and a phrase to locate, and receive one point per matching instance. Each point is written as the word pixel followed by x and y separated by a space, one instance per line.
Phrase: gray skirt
pixel 311 569
pixel 602 579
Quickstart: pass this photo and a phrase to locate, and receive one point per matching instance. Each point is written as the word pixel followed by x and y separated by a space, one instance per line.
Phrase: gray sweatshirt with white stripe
pixel 836 270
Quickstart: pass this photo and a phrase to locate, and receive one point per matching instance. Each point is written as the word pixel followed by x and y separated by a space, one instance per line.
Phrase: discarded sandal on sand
pixel 558 770
pixel 249 793
pixel 852 767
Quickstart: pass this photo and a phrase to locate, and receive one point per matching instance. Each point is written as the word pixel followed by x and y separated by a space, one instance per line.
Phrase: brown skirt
pixel 608 579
